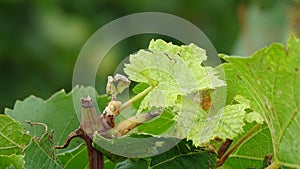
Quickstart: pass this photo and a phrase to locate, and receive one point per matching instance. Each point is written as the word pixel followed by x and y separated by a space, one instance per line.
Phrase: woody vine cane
pixel 105 124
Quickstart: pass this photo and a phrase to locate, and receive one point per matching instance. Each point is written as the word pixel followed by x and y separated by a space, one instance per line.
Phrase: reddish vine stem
pixel 223 148
pixel 95 157
pixel 226 155
pixel 96 160
pixel 88 125
pixel 104 124
pixel 74 134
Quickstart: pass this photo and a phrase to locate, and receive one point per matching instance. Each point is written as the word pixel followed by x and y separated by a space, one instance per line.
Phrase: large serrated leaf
pixel 173 70
pixel 57 112
pixel 13 138
pixel 271 80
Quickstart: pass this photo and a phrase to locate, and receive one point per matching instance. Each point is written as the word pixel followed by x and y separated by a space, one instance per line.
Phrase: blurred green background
pixel 40 40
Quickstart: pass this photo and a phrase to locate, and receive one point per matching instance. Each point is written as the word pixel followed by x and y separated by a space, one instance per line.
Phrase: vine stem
pixel 247 135
pixel 96 160
pixel 135 98
pixel 95 157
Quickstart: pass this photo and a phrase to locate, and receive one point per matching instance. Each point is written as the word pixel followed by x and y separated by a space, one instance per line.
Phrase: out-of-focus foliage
pixel 40 40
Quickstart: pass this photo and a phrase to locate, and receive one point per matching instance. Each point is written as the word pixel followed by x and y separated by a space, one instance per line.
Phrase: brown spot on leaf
pixel 206 102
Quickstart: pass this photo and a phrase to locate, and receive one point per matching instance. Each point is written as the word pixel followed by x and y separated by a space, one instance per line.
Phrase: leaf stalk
pixel 135 98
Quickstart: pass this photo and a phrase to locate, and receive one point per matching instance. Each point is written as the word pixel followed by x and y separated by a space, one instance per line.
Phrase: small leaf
pixel 12 161
pixel 13 138
pixel 40 153
pixel 122 82
pixel 117 84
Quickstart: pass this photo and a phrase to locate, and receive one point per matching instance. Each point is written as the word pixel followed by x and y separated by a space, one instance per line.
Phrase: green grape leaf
pixel 40 153
pixel 270 79
pixel 183 155
pixel 13 137
pixel 57 112
pixel 172 70
pixel 12 161
pixel 176 74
